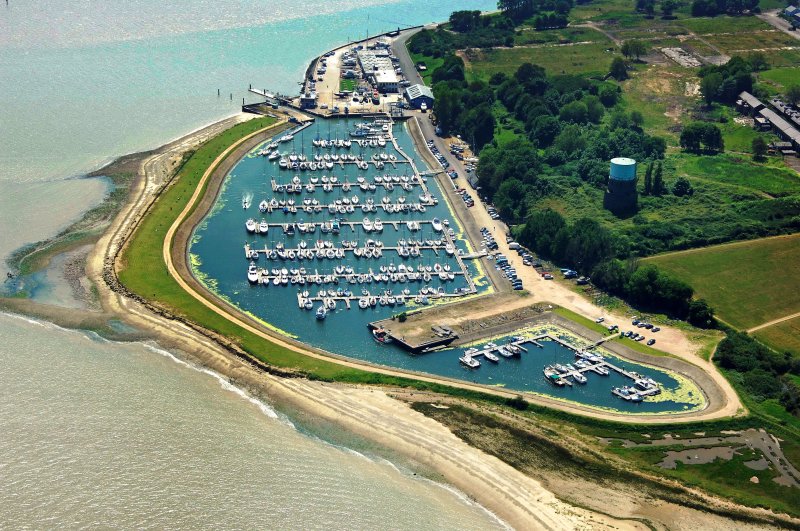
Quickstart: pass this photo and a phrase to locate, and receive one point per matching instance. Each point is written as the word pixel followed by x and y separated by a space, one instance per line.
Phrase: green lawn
pixel 432 63
pixel 347 85
pixel 771 177
pixel 556 59
pixel 782 337
pixel 747 283
pixel 781 77
pixel 739 137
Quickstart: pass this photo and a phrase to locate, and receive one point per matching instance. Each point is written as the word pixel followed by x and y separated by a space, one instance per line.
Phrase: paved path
pixel 773 322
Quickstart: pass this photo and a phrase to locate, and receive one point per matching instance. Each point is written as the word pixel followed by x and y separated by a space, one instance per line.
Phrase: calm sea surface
pixel 97 434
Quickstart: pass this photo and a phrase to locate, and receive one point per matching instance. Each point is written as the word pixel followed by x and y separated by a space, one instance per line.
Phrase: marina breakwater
pixel 218 258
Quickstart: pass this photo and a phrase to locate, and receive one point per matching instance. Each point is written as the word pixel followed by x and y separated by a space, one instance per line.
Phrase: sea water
pixel 98 434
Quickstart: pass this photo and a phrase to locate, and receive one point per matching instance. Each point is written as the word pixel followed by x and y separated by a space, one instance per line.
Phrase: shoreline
pixel 364 410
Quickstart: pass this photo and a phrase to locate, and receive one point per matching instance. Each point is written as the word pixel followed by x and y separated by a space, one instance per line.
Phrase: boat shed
pixel 749 104
pixel 419 94
pixel 386 81
pixel 783 128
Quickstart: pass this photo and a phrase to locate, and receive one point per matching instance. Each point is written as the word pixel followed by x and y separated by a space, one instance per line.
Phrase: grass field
pixel 527 36
pixel 347 85
pixel 782 337
pixel 747 283
pixel 771 178
pixel 432 63
pixel 556 59
pixel 781 77
pixel 724 24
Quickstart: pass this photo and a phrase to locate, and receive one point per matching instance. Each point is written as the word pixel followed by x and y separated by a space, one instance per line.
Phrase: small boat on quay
pixel 469 361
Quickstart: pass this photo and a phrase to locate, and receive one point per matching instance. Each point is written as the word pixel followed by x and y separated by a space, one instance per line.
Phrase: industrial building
pixel 785 121
pixel 416 95
pixel 379 69
pixel 748 104
pixel 621 196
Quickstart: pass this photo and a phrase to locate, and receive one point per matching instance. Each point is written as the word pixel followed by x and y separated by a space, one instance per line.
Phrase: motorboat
pixel 437 224
pixel 250 225
pixel 469 361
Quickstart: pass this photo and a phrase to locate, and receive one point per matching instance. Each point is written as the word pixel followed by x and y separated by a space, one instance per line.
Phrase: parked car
pixel 651 342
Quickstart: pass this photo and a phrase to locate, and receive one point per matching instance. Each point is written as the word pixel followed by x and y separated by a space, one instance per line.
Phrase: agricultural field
pixel 782 337
pixel 747 283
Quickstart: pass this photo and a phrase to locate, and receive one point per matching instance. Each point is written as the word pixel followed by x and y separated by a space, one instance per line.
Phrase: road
pixel 772 18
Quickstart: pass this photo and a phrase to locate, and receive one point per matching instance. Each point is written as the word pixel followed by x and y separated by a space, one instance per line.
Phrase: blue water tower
pixel 621 197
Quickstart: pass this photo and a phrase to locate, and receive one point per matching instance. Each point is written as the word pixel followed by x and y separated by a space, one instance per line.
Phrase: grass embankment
pixel 747 283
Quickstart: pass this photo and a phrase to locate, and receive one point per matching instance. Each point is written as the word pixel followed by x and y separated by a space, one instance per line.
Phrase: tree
pixel 575 112
pixel 608 94
pixel 758 61
pixel 709 87
pixel 637 119
pixel 701 314
pixel 594 109
pixel 545 129
pixel 633 49
pixel 618 69
pixel 759 147
pixel 793 94
pixel 479 126
pixel 648 180
pixel 464 21
pixel 659 188
pixel 698 134
pixel 668 7
pixel 682 187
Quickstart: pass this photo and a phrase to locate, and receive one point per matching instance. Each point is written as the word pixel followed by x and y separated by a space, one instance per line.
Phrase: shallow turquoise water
pixel 217 249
